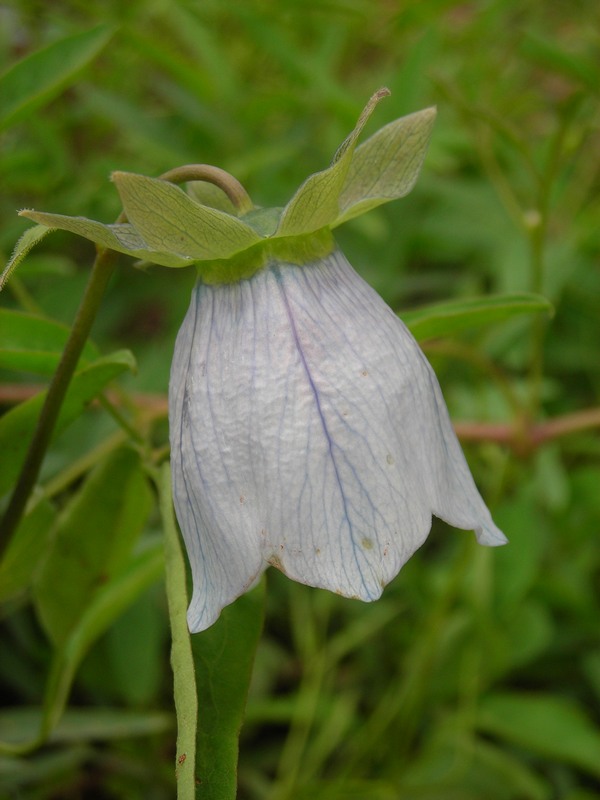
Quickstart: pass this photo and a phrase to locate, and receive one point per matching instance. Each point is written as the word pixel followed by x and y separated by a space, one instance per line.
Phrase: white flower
pixel 307 429
pixel 308 432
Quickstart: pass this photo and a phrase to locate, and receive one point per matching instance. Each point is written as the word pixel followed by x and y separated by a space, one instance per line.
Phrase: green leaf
pixel 40 76
pixel 18 424
pixel 25 550
pixel 550 725
pixel 108 603
pixel 442 319
pixel 93 539
pixel 169 220
pixel 387 165
pixel 28 240
pixel 224 656
pixel 316 204
pixel 81 724
pixel 120 237
pixel 35 344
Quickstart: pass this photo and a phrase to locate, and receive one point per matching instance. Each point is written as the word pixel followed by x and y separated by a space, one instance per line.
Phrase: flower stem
pixel 88 308
pixel 184 681
pixel 219 177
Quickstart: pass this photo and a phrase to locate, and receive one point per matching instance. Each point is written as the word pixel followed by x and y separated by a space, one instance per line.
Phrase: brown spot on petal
pixel 275 561
pixel 367 543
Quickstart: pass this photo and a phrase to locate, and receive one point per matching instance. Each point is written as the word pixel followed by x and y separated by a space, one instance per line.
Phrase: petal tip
pixel 490 536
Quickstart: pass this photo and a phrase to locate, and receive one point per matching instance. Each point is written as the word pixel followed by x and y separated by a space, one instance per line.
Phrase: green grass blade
pixel 40 76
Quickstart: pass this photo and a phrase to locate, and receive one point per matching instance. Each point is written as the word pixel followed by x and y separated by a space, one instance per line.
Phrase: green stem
pixel 215 175
pixel 90 303
pixel 182 662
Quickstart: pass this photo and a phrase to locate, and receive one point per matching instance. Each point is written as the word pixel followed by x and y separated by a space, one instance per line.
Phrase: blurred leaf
pixel 453 762
pixel 387 165
pixel 25 550
pixel 550 54
pixel 79 724
pixel 34 344
pixel 41 770
pixel 40 76
pixel 224 657
pixel 93 539
pixel 442 319
pixel 529 630
pixel 135 648
pixel 18 424
pixel 549 725
pixel 108 603
pixel 27 241
pixel 517 567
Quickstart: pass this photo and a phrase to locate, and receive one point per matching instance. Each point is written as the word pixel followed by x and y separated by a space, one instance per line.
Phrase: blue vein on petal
pixel 315 392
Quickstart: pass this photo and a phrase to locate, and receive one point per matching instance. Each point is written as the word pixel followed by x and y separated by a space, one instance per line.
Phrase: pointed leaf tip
pixel 316 204
pixel 387 165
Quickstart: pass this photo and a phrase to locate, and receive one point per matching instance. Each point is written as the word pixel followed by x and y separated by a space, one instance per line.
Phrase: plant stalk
pixel 98 281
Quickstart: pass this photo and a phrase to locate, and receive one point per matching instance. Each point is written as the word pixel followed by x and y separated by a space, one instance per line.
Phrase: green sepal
pixel 26 242
pixel 316 203
pixel 123 238
pixel 299 250
pixel 170 221
pixel 170 227
pixel 387 165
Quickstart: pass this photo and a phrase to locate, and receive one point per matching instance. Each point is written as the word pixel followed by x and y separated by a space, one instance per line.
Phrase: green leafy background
pixel 477 675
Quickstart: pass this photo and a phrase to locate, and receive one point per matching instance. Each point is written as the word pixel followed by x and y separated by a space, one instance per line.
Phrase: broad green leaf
pixel 120 237
pixel 92 540
pixel 443 319
pixel 387 165
pixel 25 550
pixel 316 204
pixel 28 240
pixel 169 220
pixel 18 424
pixel 35 344
pixel 550 725
pixel 40 76
pixel 81 724
pixel 224 657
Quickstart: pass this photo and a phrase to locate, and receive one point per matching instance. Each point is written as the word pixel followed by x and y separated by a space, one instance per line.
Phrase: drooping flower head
pixel 308 431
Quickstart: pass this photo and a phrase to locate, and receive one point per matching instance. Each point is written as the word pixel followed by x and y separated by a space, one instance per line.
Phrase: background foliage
pixel 478 672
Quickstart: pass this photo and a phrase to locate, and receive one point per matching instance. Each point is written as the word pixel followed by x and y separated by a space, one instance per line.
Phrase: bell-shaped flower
pixel 308 431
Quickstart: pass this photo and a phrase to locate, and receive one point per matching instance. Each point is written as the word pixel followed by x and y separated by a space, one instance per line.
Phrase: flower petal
pixel 308 432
